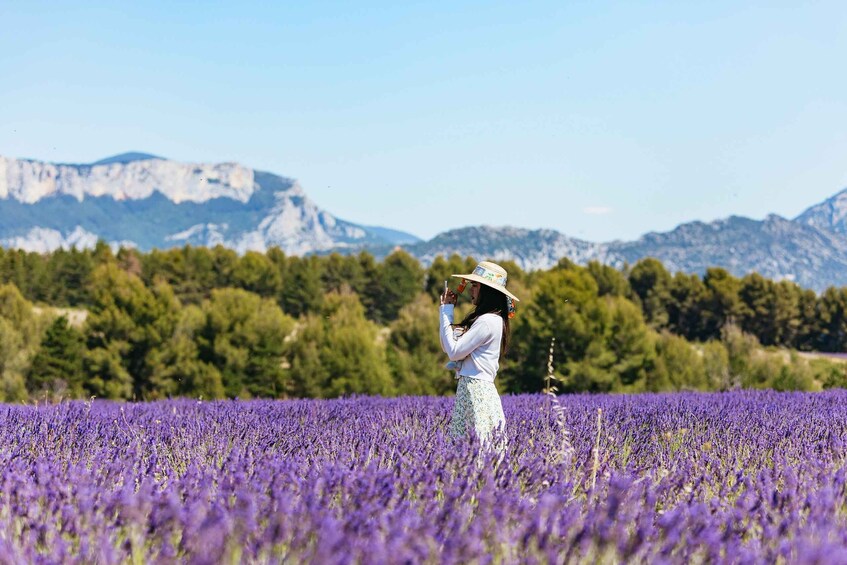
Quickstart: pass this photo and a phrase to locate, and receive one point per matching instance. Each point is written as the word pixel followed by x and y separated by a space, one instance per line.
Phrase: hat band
pixel 491 276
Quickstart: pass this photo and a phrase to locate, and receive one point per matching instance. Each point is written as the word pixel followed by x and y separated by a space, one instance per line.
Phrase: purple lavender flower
pixel 733 477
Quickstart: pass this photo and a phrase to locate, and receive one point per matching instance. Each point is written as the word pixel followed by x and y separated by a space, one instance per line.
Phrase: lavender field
pixel 740 477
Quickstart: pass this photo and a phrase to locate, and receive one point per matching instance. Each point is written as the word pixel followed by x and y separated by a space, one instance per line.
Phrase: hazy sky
pixel 601 120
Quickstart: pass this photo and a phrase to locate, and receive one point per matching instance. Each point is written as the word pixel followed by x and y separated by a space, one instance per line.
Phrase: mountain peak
pixel 130 176
pixel 127 157
pixel 145 201
pixel 831 214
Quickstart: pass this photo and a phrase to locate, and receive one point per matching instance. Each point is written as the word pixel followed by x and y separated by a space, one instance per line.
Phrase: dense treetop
pixel 206 322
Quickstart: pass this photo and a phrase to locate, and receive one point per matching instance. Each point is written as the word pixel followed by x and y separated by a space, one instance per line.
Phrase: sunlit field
pixel 735 477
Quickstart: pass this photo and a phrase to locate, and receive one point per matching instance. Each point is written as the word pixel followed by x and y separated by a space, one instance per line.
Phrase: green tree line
pixel 207 322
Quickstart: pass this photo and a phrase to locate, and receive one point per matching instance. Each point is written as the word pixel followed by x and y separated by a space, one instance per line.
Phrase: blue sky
pixel 603 120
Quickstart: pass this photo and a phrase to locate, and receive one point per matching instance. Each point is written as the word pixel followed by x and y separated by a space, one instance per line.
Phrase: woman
pixel 478 342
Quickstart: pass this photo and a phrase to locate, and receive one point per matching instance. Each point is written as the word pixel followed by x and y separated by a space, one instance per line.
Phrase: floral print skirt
pixel 477 407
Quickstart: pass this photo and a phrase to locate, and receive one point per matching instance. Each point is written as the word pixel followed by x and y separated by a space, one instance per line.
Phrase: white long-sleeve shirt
pixel 478 348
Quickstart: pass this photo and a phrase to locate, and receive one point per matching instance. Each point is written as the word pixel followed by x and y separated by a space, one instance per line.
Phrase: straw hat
pixel 490 274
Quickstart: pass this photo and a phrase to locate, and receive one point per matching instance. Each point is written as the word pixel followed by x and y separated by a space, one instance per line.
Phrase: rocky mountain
pixel 146 201
pixel 775 247
pixel 829 215
pixel 531 249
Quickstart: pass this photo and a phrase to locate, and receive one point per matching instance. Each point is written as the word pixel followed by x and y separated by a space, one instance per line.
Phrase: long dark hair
pixel 490 302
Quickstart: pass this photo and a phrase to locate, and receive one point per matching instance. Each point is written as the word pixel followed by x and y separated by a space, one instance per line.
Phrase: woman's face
pixel 474 293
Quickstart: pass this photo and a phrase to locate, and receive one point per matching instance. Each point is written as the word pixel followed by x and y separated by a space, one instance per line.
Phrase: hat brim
pixel 480 280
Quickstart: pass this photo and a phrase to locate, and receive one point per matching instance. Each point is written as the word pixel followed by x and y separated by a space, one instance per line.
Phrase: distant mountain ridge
pixel 829 215
pixel 531 249
pixel 124 158
pixel 810 250
pixel 775 247
pixel 121 178
pixel 147 201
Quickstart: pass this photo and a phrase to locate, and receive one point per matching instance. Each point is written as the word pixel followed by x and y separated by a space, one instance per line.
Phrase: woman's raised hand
pixel 449 297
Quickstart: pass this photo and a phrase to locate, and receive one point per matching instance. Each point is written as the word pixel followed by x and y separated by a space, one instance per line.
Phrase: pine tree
pixel 57 366
pixel 564 305
pixel 721 305
pixel 128 322
pixel 243 337
pixel 339 352
pixel 342 272
pixel 687 296
pixel 256 273
pixel 651 282
pixel 609 280
pixel 176 367
pixel 301 291
pixel 400 280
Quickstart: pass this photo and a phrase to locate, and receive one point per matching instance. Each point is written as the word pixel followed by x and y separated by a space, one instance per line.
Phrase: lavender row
pixel 733 477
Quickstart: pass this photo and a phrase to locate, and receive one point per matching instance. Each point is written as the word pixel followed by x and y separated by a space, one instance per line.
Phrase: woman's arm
pixel 445 321
pixel 457 349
